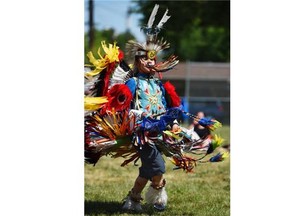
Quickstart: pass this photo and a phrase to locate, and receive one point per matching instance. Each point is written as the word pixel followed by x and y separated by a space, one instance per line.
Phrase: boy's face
pixel 146 65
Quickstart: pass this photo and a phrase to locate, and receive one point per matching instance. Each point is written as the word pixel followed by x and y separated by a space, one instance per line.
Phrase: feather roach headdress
pixel 153 46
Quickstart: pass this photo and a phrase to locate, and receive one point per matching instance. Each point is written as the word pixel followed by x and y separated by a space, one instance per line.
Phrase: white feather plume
pixel 154 196
pixel 118 76
pixel 152 16
pixel 163 20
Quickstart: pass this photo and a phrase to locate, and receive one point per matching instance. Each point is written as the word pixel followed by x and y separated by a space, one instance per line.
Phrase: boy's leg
pixel 156 193
pixel 133 200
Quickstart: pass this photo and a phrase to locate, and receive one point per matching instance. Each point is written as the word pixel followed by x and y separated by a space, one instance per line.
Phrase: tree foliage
pixel 197 30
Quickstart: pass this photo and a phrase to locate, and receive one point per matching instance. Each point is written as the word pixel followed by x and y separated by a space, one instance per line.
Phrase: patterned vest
pixel 149 97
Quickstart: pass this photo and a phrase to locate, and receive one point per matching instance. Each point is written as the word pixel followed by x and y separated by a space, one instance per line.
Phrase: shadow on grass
pixel 98 207
pixel 108 208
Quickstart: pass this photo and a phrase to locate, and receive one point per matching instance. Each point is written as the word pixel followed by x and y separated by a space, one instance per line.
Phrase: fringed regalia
pixel 112 127
pixel 126 110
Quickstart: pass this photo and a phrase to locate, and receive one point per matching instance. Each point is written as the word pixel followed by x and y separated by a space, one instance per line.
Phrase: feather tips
pixel 163 20
pixel 167 65
pixel 152 16
pixel 132 47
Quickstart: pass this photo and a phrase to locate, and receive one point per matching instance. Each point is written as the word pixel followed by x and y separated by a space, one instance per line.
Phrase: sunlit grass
pixel 204 192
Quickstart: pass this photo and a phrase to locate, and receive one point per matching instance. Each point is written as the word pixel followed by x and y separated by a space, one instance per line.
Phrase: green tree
pixel 122 39
pixel 106 35
pixel 197 30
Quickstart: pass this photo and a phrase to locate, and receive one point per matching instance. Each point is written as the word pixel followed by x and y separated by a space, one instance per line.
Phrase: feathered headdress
pixel 153 46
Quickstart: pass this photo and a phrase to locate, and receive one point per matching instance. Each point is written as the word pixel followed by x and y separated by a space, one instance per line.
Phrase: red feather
pixel 170 90
pixel 110 68
pixel 107 72
pixel 119 98
pixel 121 55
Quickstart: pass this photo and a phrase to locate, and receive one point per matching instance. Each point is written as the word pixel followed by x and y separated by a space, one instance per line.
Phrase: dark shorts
pixel 152 162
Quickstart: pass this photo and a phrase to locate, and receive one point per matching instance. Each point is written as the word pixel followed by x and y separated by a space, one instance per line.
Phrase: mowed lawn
pixel 204 192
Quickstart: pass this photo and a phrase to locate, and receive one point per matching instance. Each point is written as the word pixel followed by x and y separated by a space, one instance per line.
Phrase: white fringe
pixel 154 196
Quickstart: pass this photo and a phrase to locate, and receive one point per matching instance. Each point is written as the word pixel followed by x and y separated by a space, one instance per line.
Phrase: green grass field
pixel 204 192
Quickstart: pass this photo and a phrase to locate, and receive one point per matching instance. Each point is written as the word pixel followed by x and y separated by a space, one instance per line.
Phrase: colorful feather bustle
pixel 119 98
pixel 108 125
pixel 103 67
pixel 109 134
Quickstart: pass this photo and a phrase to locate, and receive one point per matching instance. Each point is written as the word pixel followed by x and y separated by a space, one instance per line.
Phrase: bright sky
pixel 113 14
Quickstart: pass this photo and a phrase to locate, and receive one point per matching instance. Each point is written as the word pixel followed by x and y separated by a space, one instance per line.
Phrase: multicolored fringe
pixel 109 134
pixel 115 133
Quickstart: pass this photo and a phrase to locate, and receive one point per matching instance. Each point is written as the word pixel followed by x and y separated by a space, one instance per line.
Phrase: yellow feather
pixel 171 134
pixel 111 55
pixel 225 155
pixel 94 103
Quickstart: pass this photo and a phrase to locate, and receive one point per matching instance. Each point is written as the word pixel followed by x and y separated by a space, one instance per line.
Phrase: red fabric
pixel 170 90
